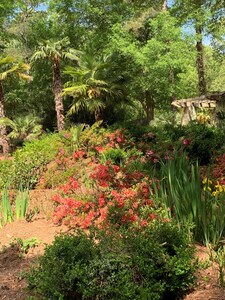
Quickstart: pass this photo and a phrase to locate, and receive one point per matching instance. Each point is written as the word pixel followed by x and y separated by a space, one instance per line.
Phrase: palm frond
pixel 7 122
pixel 75 90
pixel 75 72
pixel 25 76
pixel 6 60
pixel 73 54
pixel 76 106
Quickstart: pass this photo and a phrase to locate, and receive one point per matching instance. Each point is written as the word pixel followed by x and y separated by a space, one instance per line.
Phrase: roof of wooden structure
pixel 204 101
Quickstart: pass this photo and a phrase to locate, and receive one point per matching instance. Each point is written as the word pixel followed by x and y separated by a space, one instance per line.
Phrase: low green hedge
pixel 152 265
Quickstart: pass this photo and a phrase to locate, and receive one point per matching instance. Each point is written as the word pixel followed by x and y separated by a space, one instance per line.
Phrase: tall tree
pixel 54 51
pixel 155 70
pixel 8 67
pixel 197 12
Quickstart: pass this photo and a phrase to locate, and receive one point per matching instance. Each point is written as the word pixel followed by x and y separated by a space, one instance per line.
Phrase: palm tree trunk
pixel 57 89
pixel 98 115
pixel 3 134
pixel 200 60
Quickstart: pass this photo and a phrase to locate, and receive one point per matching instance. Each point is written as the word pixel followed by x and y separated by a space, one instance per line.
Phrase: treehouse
pixel 214 102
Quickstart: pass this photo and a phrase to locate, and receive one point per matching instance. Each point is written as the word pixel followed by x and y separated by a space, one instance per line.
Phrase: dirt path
pixel 208 287
pixel 11 263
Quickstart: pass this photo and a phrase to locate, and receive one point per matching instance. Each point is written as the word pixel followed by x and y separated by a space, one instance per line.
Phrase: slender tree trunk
pixel 98 115
pixel 57 89
pixel 3 134
pixel 164 7
pixel 200 61
pixel 148 106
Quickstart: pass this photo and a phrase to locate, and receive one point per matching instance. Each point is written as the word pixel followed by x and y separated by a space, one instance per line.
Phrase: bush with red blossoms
pixel 219 169
pixel 117 195
pixel 115 200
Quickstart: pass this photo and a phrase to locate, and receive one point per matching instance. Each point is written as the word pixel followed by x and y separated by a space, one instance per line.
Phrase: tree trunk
pixel 149 107
pixel 200 61
pixel 164 7
pixel 57 89
pixel 3 134
pixel 98 114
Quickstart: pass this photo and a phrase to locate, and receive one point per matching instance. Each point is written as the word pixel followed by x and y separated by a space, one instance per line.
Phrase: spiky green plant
pixel 22 200
pixel 6 206
pixel 182 194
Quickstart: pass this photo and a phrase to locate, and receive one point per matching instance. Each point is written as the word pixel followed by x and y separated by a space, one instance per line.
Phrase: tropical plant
pixel 23 128
pixel 91 86
pixel 8 66
pixel 54 51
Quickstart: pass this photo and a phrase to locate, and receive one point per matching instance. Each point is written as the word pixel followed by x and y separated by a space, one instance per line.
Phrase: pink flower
pixel 151 135
pixel 155 160
pixel 150 152
pixel 186 142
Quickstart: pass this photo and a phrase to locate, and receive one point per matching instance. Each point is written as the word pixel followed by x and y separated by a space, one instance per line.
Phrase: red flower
pixel 152 216
pixel 144 223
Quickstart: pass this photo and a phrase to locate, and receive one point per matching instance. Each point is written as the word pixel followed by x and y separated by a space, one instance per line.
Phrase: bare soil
pixel 13 262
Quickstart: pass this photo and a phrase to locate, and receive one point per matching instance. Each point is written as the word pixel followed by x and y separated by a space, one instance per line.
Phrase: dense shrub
pixel 6 172
pixel 31 160
pixel 153 264
pixel 28 162
pixel 203 141
pixel 199 141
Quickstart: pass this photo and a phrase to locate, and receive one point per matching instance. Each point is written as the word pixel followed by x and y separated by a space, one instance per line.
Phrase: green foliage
pixel 154 265
pixel 21 203
pixel 115 156
pixel 203 141
pixel 219 258
pixel 62 267
pixel 6 211
pixel 25 245
pixel 54 177
pixel 24 128
pixel 73 136
pixel 6 172
pixel 30 161
pixel 180 190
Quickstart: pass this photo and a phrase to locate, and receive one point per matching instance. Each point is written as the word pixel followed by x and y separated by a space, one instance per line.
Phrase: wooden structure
pixel 214 101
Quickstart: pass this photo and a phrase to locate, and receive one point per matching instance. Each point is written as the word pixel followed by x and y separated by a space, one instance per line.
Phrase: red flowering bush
pixel 219 169
pixel 117 194
pixel 79 154
pixel 116 200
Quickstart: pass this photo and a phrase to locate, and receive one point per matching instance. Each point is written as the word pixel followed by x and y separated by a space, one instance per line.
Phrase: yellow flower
pixel 207 181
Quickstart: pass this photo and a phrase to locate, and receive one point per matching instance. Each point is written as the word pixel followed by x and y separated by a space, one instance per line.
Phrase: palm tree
pixel 9 67
pixel 91 86
pixel 24 128
pixel 54 51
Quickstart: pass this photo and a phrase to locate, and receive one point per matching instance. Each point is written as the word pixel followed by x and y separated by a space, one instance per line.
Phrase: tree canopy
pixel 158 52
